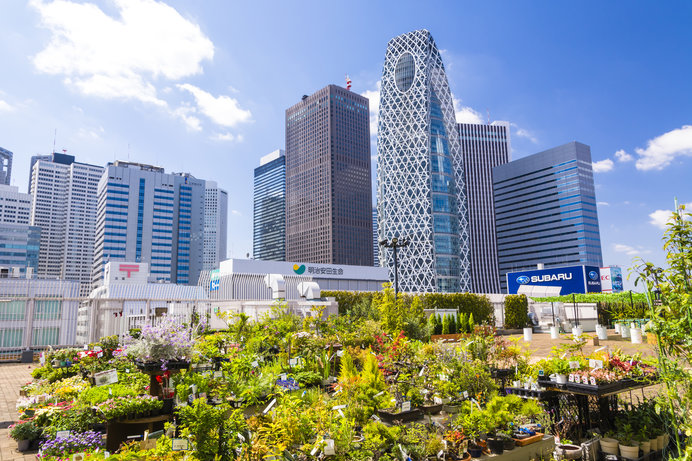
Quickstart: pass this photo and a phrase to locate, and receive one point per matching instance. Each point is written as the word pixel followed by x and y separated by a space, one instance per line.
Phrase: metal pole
pixel 552 309
pixel 396 275
pixel 576 314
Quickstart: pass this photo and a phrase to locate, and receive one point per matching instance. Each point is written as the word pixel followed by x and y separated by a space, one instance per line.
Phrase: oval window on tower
pixel 404 72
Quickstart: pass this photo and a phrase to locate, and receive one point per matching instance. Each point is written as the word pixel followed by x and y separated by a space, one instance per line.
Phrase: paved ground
pixel 541 344
pixel 12 377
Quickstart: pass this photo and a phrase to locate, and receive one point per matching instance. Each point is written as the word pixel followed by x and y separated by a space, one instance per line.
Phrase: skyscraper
pixel 19 242
pixel 483 147
pixel 215 225
pixel 5 166
pixel 269 212
pixel 545 208
pixel 63 195
pixel 420 173
pixel 328 185
pixel 147 215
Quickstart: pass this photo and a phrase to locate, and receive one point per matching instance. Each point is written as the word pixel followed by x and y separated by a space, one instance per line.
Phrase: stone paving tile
pixel 12 377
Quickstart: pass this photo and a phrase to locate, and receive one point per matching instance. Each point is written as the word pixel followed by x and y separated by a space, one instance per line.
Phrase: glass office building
pixel 545 211
pixel 269 212
pixel 420 177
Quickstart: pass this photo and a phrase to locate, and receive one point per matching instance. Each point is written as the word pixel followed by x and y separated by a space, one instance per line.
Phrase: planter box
pixel 432 409
pixel 403 416
pixel 156 366
pixel 455 337
pixel 529 440
pixel 595 390
pixel 451 408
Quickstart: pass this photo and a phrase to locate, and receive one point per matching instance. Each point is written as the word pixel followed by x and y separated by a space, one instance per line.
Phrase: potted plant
pixel 629 448
pixel 24 433
pixel 609 444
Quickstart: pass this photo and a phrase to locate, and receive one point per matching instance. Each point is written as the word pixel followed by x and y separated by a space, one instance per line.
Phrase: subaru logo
pixel 523 279
pixel 593 275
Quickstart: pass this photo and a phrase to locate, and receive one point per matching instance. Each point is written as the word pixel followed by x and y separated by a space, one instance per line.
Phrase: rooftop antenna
pixel 55 135
pixel 487 111
pixel 348 82
pixel 128 151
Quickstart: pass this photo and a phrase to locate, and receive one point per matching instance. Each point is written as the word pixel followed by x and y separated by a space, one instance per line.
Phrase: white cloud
pixel 603 204
pixel 466 114
pixel 660 218
pixel 374 97
pixel 602 166
pixel 621 248
pixel 224 137
pixel 661 151
pixel 623 156
pixel 222 110
pixel 524 133
pixel 186 114
pixel 91 134
pixel 236 212
pixel 5 107
pixel 123 56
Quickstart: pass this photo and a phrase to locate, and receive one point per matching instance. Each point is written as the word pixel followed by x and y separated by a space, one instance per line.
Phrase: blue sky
pixel 202 87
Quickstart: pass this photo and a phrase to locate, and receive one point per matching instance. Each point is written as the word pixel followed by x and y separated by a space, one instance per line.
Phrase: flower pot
pixel 167 408
pixel 636 335
pixel 23 445
pixel 568 451
pixel 601 332
pixel 645 447
pixel 508 444
pixel 516 383
pixel 629 451
pixel 34 444
pixel 666 439
pixel 528 334
pixel 475 451
pixel 609 446
pixel 496 445
pixel 653 444
pixel 561 379
pixel 577 331
pixel 617 329
pixel 555 332
pixel 625 331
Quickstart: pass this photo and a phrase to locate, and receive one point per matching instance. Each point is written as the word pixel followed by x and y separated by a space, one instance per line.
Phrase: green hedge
pixel 467 303
pixel 516 311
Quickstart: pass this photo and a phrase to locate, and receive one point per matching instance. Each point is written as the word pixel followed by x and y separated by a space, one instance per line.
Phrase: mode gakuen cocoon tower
pixel 421 191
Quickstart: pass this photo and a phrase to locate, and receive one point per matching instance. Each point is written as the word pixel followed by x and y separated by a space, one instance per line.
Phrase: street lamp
pixel 394 244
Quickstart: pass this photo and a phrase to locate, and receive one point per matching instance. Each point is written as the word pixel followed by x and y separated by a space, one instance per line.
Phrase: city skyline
pixel 583 73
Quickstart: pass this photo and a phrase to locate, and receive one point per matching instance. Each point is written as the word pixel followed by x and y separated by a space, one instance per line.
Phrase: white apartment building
pixel 64 194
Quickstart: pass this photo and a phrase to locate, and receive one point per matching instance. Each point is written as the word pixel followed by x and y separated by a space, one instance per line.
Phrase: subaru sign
pixel 570 279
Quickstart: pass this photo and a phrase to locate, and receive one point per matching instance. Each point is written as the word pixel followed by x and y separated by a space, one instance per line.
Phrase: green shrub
pixel 445 325
pixel 516 311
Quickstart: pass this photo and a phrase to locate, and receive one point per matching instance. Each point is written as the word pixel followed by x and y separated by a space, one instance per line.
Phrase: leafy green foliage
pixel 516 311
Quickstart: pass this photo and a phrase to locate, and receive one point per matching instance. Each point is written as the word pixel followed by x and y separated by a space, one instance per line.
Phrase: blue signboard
pixel 214 285
pixel 616 279
pixel 571 279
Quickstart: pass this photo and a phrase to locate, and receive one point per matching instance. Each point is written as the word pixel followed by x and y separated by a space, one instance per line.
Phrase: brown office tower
pixel 328 184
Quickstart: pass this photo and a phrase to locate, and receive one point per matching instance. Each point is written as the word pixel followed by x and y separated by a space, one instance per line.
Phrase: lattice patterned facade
pixel 420 174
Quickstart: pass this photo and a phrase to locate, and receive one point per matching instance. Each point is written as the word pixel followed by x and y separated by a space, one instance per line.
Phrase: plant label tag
pixel 339 353
pixel 97 349
pixel 601 348
pixel 127 370
pixel 466 394
pixel 341 413
pixel 596 364
pixel 103 378
pixel 269 407
pixel 541 373
pixel 375 418
pixel 592 380
pixel 563 355
pixel 329 447
pixel 254 364
pixel 393 400
pixel 180 444
pixel 106 454
pixel 241 437
pixel 573 364
pixel 338 407
pixel 110 392
pixel 403 453
pixel 62 434
pixel 218 374
pixel 193 387
pixel 379 393
pixel 584 380
pixel 293 362
pixel 86 348
pixel 422 370
pixel 314 451
pixel 406 406
pixel 441 454
pixel 437 400
pixel 42 358
pixel 282 377
pixel 442 377
pixel 571 378
pixel 78 457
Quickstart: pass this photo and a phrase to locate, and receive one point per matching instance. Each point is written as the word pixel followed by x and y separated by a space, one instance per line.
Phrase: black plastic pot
pixel 167 408
pixel 496 445
pixel 475 451
pixel 508 443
